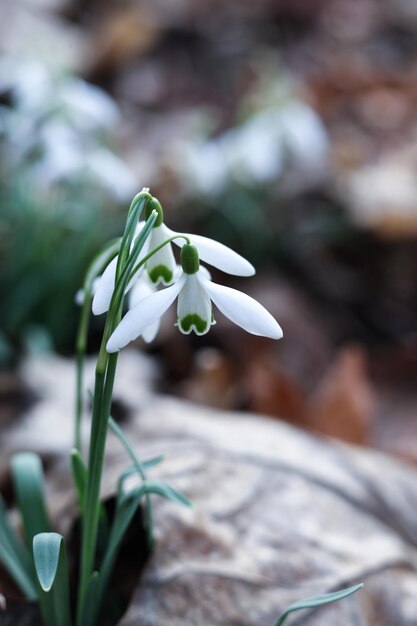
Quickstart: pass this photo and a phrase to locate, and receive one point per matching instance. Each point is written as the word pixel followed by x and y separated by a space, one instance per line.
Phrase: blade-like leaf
pixel 50 558
pixel 79 472
pixel 167 491
pixel 147 464
pixel 311 603
pixel 46 551
pixel 140 469
pixel 158 488
pixel 90 611
pixel 28 482
pixel 14 556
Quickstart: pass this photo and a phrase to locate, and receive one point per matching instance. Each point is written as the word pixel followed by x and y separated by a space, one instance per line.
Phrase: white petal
pixel 194 308
pixel 105 284
pixel 142 289
pixel 138 319
pixel 139 228
pixel 105 287
pixel 80 295
pixel 162 265
pixel 219 255
pixel 151 331
pixel 243 310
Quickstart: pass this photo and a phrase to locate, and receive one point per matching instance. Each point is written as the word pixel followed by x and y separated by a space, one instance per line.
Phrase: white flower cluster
pixel 189 281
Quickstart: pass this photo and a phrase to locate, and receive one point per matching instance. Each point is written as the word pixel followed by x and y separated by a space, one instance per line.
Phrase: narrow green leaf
pixel 311 603
pixel 91 607
pixel 79 472
pixel 161 489
pixel 50 558
pixel 14 556
pixel 146 465
pixel 141 471
pixel 28 482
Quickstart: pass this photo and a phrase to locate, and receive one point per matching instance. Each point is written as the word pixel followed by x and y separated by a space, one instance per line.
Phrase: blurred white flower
pixel 258 150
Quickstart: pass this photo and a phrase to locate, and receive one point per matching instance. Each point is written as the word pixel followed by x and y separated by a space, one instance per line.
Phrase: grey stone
pixel 278 514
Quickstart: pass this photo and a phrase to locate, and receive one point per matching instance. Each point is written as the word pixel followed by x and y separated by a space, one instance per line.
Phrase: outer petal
pixel 140 290
pixel 151 332
pixel 219 255
pixel 80 295
pixel 243 310
pixel 105 284
pixel 138 319
pixel 105 287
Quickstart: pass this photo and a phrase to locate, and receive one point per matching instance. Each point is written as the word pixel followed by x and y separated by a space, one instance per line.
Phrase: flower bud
pixel 154 205
pixel 190 260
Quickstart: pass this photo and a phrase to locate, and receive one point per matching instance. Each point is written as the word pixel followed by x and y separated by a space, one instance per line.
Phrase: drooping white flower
pixel 143 288
pixel 196 293
pixel 162 267
pixel 80 295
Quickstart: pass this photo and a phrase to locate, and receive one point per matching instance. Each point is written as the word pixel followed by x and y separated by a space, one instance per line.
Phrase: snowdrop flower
pixel 143 288
pixel 196 293
pixel 80 295
pixel 162 267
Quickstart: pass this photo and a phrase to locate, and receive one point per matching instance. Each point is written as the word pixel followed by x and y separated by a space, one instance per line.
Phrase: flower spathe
pixel 196 293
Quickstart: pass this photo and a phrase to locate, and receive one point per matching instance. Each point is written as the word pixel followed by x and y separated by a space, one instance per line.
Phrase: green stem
pixel 152 252
pixel 80 362
pixel 96 267
pixel 105 374
pixel 103 392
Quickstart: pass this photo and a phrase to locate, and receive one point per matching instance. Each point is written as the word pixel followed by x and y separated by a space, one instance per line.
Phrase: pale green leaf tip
pixel 42 544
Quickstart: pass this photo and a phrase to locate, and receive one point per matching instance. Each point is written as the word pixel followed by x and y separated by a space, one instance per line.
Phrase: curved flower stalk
pixel 196 293
pixel 161 267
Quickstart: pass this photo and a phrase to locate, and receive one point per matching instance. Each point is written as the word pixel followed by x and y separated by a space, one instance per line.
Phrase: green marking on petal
pixel 187 323
pixel 161 272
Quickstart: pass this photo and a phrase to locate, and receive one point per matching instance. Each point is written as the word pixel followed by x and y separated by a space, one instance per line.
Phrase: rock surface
pixel 278 514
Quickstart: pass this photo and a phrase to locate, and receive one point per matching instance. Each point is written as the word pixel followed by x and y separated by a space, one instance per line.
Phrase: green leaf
pixel 90 611
pixel 147 464
pixel 140 469
pixel 28 482
pixel 15 557
pixel 46 551
pixel 50 558
pixel 79 472
pixel 166 491
pixel 311 603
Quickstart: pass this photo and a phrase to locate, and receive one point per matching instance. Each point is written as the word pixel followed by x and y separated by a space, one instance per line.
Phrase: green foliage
pixel 50 558
pixel 79 474
pixel 317 601
pixel 28 482
pixel 46 242
pixel 14 556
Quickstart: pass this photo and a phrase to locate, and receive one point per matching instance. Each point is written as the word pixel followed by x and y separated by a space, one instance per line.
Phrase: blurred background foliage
pixel 284 128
